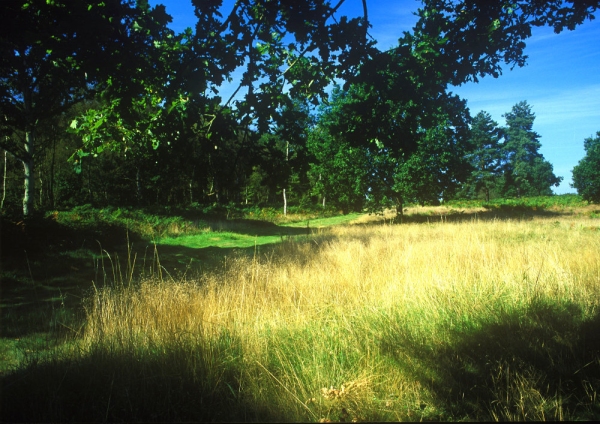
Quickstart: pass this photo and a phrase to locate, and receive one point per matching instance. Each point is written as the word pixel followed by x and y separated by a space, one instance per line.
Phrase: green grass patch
pixel 248 233
pixel 218 239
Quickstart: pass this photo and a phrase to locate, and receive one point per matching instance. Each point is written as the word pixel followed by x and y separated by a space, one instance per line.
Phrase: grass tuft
pixel 472 320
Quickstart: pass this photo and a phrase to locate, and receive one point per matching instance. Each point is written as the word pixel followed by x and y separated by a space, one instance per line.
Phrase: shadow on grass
pixel 21 243
pixel 40 236
pixel 254 227
pixel 47 267
pixel 38 290
pixel 539 364
pixel 185 382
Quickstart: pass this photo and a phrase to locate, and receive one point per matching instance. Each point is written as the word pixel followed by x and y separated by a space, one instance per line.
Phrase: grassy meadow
pixel 462 312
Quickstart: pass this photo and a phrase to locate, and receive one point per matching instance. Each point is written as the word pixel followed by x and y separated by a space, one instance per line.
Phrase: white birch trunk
pixel 29 181
pixel 4 181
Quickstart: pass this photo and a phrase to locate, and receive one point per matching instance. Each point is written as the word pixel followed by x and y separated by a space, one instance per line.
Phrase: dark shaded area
pixel 46 282
pixel 47 267
pixel 495 371
pixel 39 236
pixel 185 383
pixel 253 227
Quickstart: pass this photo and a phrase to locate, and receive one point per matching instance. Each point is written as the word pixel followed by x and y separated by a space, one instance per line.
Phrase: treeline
pixel 103 104
pixel 312 164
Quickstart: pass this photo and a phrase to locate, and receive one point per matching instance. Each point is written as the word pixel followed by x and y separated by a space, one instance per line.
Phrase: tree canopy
pixel 485 156
pixel 55 55
pixel 505 161
pixel 586 174
pixel 111 83
pixel 526 171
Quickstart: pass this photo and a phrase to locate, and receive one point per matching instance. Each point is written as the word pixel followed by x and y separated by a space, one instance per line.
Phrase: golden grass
pixel 384 322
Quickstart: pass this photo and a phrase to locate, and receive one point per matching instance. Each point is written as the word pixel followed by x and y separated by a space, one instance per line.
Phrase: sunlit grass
pixel 495 320
pixel 219 239
pixel 233 234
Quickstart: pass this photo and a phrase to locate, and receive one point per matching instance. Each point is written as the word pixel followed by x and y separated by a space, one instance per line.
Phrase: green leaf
pixel 97 124
pixel 262 48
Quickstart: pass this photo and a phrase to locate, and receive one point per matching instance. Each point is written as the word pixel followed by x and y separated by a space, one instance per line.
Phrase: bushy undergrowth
pixel 533 203
pixel 465 321
pixel 135 220
pixel 157 223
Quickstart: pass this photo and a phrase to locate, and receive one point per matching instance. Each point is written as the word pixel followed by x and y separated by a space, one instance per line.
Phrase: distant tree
pixel 586 174
pixel 435 171
pixel 292 131
pixel 160 88
pixel 543 178
pixel 339 171
pixel 485 156
pixel 403 151
pixel 526 172
pixel 283 50
pixel 399 97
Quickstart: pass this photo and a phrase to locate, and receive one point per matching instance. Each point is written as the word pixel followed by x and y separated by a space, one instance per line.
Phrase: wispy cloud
pixel 580 104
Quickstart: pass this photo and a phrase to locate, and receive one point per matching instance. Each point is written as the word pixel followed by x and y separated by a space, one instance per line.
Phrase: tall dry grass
pixel 477 320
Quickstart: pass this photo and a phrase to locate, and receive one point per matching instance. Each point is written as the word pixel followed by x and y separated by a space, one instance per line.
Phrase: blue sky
pixel 561 80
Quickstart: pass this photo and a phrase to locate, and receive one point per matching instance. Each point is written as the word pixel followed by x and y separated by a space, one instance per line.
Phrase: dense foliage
pixel 104 104
pixel 506 161
pixel 586 175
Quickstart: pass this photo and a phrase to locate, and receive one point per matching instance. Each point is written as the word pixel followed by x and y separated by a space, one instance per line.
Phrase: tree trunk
pixel 287 157
pixel 216 190
pixel 399 207
pixel 29 180
pixel 51 188
pixel 41 202
pixel 89 181
pixel 4 181
pixel 138 186
pixel 192 186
